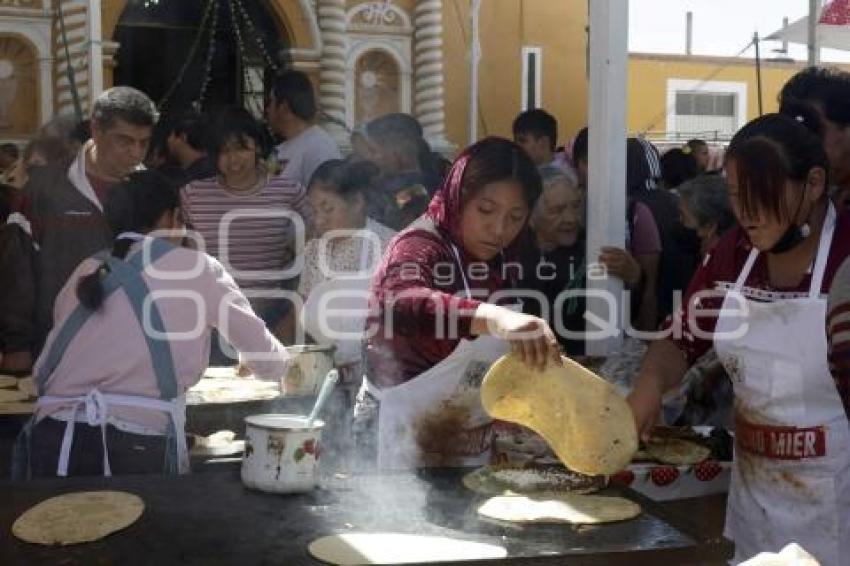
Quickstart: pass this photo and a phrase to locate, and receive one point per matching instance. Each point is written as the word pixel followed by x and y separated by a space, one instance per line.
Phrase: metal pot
pixel 310 364
pixel 281 453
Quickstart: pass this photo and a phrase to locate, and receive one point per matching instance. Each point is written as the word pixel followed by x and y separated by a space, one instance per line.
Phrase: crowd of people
pixel 452 264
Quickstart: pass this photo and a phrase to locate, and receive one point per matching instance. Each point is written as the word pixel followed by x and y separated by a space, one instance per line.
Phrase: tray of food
pixel 230 385
pixel 680 462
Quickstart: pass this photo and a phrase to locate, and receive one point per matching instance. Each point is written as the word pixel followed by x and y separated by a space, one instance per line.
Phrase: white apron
pixel 94 407
pixel 791 476
pixel 351 307
pixel 436 418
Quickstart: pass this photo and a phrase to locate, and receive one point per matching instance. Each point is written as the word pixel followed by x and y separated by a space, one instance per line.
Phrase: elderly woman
pixel 705 396
pixel 433 330
pixel 705 209
pixel 553 258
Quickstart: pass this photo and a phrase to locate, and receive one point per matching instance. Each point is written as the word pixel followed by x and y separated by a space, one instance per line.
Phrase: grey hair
pixel 552 175
pixel 124 103
pixel 707 198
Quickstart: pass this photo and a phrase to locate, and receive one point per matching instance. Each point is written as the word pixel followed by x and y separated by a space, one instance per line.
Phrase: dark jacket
pixel 561 271
pixel 16 277
pixel 65 228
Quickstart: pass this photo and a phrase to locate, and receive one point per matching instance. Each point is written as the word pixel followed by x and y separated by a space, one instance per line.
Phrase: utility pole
pixel 814 50
pixel 609 30
pixel 474 59
pixel 756 43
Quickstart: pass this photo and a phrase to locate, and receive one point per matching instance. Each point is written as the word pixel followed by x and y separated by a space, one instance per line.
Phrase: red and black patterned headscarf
pixel 446 208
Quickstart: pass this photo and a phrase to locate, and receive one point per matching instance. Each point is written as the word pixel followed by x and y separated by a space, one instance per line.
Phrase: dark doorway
pixel 166 45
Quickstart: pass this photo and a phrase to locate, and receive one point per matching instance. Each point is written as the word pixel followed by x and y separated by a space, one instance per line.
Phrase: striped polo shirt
pixel 252 233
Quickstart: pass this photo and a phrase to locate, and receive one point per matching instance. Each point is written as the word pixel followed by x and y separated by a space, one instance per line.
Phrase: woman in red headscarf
pixel 434 326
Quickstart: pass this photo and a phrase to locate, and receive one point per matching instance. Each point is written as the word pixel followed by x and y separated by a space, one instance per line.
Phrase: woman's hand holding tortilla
pixel 529 336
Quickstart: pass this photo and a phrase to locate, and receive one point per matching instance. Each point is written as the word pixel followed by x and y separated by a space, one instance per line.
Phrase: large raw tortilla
pixel 519 480
pixel 560 508
pixel 78 517
pixel 8 381
pixel 588 425
pixel 12 395
pixel 677 451
pixel 396 548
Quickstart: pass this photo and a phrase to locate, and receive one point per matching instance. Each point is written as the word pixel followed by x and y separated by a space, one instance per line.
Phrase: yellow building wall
pixel 648 76
pixel 558 27
pixel 506 26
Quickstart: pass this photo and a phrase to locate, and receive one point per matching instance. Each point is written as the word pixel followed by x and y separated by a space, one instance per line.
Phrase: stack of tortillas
pixel 588 425
pixel 508 479
pixel 78 517
pixel 14 393
pixel 227 387
pixel 677 451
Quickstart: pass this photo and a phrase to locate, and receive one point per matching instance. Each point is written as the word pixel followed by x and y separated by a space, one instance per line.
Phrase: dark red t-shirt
pixel 101 187
pixel 719 272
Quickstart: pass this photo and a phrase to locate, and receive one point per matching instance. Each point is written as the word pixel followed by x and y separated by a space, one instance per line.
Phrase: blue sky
pixel 721 27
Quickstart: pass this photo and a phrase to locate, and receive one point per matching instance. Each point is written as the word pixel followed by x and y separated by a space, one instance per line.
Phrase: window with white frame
pixel 532 77
pixel 712 110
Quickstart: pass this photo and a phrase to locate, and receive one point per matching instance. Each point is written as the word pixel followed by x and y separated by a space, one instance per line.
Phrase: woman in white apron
pixel 759 299
pixel 131 334
pixel 434 327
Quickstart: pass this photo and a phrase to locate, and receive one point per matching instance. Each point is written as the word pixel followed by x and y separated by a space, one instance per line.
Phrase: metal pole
pixel 474 58
pixel 96 51
pixel 814 51
pixel 756 43
pixel 689 33
pixel 609 29
pixel 784 28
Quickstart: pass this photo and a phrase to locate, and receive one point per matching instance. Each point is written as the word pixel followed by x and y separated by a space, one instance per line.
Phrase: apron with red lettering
pixel 791 476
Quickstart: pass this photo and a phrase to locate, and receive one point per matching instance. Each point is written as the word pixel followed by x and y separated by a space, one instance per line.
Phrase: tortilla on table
pixel 221 443
pixel 396 548
pixel 588 425
pixel 514 479
pixel 27 385
pixel 226 390
pixel 676 451
pixel 17 408
pixel 78 517
pixel 559 508
pixel 12 395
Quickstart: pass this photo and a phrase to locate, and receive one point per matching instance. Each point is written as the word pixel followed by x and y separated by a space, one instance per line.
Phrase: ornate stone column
pixel 76 14
pixel 428 71
pixel 332 66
